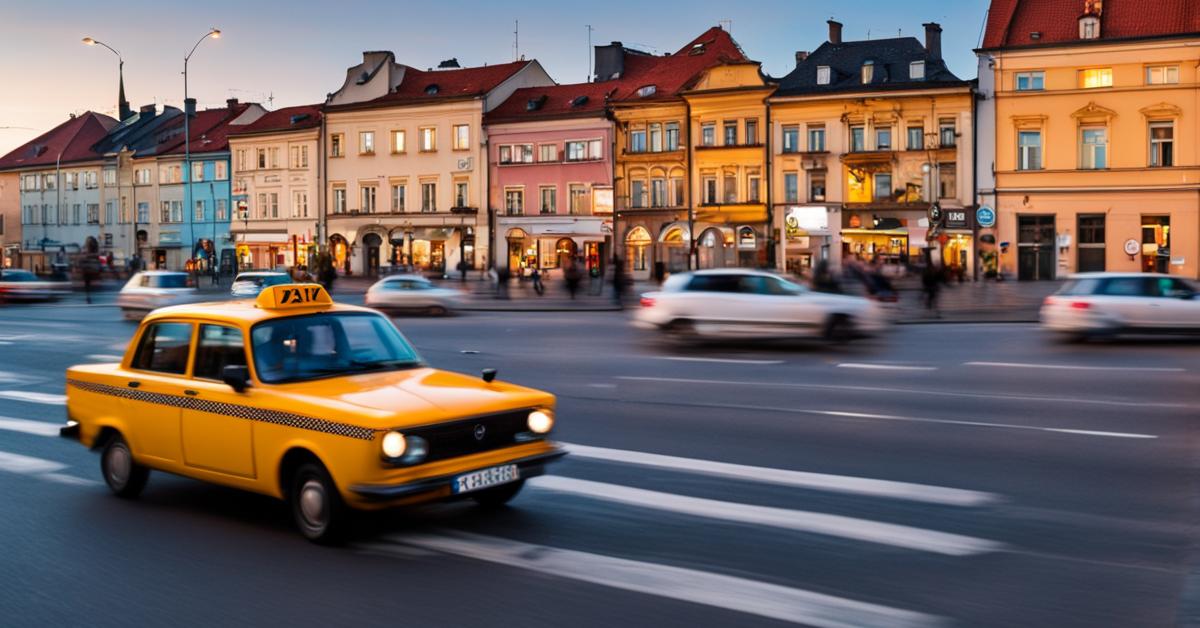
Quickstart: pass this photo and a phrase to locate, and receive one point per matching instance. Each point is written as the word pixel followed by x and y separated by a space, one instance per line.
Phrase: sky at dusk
pixel 298 51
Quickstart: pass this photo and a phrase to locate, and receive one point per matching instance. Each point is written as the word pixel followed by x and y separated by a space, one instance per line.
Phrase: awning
pixel 262 238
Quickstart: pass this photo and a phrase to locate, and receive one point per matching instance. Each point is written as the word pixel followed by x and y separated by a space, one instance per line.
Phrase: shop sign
pixel 956 219
pixel 747 238
pixel 602 200
pixel 800 220
pixel 985 216
pixel 1132 247
pixel 169 237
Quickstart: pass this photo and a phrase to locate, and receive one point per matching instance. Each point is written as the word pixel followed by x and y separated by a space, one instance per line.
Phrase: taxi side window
pixel 218 347
pixel 164 348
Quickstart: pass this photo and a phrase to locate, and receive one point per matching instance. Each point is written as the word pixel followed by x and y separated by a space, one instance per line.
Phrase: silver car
pixel 21 285
pixel 247 285
pixel 1107 304
pixel 412 293
pixel 152 289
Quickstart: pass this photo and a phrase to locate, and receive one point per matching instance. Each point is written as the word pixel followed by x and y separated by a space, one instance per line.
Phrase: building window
pixel 637 141
pixel 729 186
pixel 93 213
pixel 366 143
pixel 947 180
pixel 947 133
pixel 1089 27
pixel 221 168
pixel 198 171
pixel 1095 77
pixel 753 192
pixel 337 145
pixel 299 156
pixel 460 194
pixel 791 139
pixel 399 197
pixel 822 75
pixel 731 133
pixel 339 200
pixel 262 159
pixel 710 190
pixel 514 201
pixel 676 184
pixel 577 150
pixel 1029 150
pixel 275 153
pixel 399 142
pixel 708 134
pixel 658 192
pixel 672 136
pixel 1162 144
pixel 198 214
pixel 1091 242
pixel 816 187
pixel 637 193
pixel 241 161
pixel 223 210
pixel 110 176
pixel 366 199
pixel 429 197
pixel 548 152
pixel 428 139
pixel 51 181
pixel 595 149
pixel 1031 81
pixel 883 186
pixel 868 72
pixel 751 137
pixel 656 138
pixel 1162 75
pixel 548 195
pixel 791 190
pixel 110 212
pixel 462 136
pixel 858 139
pixel 578 198
pixel 299 204
pixel 646 90
pixel 883 138
pixel 143 212
pixel 262 205
pixel 916 138
pixel 816 138
pixel 916 70
pixel 1094 148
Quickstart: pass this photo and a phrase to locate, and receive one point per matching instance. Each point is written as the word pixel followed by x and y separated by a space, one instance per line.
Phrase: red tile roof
pixel 209 131
pixel 73 140
pixel 416 85
pixel 1010 22
pixel 555 101
pixel 285 119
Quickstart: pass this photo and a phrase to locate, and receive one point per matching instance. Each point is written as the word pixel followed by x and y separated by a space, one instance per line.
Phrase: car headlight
pixel 394 444
pixel 399 449
pixel 540 421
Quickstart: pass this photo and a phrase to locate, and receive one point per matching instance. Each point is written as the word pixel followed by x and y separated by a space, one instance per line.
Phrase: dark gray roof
pixel 138 132
pixel 891 58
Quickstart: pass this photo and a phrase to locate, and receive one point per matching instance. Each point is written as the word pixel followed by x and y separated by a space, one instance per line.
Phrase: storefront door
pixel 1035 247
pixel 437 256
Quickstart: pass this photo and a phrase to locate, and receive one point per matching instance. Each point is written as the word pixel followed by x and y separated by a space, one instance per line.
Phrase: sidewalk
pixel 592 296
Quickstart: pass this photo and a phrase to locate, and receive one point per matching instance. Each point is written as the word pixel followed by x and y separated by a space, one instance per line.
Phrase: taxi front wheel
pixel 316 505
pixel 125 477
pixel 490 498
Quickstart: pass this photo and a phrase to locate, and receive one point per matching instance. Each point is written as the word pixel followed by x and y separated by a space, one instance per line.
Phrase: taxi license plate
pixel 485 478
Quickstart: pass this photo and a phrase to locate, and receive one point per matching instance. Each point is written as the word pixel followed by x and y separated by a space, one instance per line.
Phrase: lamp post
pixel 187 137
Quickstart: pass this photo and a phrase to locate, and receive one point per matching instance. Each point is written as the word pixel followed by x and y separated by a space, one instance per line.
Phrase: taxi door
pixel 155 381
pixel 216 437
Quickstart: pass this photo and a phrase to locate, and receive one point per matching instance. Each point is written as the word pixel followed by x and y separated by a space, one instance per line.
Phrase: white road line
pixel 1095 433
pixel 795 520
pixel 884 367
pixel 8 377
pixel 105 357
pixel 720 360
pixel 910 391
pixel 26 465
pixel 37 428
pixel 742 595
pixel 1078 367
pixel 1008 426
pixel 796 479
pixel 49 399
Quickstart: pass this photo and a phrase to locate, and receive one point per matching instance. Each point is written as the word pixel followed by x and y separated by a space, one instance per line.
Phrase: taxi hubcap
pixel 312 503
pixel 118 465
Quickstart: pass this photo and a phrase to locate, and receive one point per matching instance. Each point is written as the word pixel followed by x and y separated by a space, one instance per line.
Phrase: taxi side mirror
pixel 236 376
pixel 488 375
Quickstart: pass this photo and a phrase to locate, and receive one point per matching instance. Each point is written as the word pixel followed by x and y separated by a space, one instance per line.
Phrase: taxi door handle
pixel 190 393
pixel 134 384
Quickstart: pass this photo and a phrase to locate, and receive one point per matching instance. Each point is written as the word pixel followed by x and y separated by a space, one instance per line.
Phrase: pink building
pixel 551 177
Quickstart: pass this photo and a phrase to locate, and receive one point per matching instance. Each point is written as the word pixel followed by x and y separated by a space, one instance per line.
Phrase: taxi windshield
pixel 298 348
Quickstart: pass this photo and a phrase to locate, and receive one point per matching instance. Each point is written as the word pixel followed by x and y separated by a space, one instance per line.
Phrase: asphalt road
pixel 945 475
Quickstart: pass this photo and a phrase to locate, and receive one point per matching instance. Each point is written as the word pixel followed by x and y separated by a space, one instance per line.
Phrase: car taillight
pixel 1048 301
pixel 1080 305
pixel 647 302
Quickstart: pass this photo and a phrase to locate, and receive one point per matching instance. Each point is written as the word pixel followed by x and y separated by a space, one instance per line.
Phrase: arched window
pixel 637 244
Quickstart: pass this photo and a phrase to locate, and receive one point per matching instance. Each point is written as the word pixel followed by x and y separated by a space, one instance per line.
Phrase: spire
pixel 123 109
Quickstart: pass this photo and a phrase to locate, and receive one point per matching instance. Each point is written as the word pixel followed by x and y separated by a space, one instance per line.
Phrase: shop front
pixel 264 250
pixel 553 243
pixel 807 238
pixel 889 236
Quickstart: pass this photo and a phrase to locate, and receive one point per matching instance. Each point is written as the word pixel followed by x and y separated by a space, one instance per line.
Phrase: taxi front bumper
pixel 530 466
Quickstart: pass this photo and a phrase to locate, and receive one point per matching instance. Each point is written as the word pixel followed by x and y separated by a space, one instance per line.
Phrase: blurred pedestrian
pixel 463 266
pixel 620 282
pixel 502 277
pixel 538 286
pixel 823 279
pixel 931 280
pixel 572 276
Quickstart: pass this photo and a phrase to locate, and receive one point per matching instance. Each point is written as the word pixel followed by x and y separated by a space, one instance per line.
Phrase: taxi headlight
pixel 540 421
pixel 394 444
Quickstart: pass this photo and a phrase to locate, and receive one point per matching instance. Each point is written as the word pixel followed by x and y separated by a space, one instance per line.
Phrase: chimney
pixel 610 61
pixel 147 112
pixel 232 103
pixel 801 55
pixel 449 64
pixel 835 31
pixel 189 107
pixel 933 40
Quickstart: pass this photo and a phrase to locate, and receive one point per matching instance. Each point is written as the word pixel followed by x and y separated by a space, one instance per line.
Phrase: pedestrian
pixel 931 279
pixel 572 276
pixel 823 279
pixel 538 286
pixel 620 282
pixel 502 277
pixel 462 269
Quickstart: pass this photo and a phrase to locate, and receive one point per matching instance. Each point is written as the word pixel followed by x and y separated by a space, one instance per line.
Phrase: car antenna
pixel 488 375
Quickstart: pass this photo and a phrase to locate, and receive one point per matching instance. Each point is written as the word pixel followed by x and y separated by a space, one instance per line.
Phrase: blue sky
pixel 298 51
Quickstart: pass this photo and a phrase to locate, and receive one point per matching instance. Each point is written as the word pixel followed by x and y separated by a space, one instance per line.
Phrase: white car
pixel 412 293
pixel 1104 304
pixel 247 285
pixel 21 285
pixel 743 303
pixel 151 289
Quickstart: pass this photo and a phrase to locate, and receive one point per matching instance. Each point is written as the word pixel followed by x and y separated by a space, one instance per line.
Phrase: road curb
pixel 964 321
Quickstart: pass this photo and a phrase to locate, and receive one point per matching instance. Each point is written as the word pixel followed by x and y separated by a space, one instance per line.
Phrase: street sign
pixel 985 216
pixel 935 213
pixel 1132 247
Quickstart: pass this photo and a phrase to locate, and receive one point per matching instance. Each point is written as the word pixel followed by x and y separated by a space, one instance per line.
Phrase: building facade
pixel 276 188
pixel 1095 126
pixel 406 161
pixel 873 156
pixel 10 220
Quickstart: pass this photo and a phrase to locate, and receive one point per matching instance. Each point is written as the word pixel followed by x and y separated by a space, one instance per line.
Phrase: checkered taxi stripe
pixel 230 409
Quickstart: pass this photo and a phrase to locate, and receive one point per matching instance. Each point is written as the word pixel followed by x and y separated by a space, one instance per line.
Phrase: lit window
pixel 462 137
pixel 916 70
pixel 822 75
pixel 366 143
pixel 399 145
pixel 428 139
pixel 1095 77
pixel 868 72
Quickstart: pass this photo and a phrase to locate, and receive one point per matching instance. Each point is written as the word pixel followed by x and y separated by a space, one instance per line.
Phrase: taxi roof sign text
pixel 296 295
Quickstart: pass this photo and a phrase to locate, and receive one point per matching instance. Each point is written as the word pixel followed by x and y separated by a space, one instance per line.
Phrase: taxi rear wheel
pixel 124 477
pixel 316 505
pixel 498 496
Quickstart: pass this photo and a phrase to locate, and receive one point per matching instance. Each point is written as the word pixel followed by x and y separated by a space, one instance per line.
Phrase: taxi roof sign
pixel 295 295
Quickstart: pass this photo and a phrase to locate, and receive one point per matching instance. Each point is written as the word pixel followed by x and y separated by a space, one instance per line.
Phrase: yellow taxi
pixel 324 405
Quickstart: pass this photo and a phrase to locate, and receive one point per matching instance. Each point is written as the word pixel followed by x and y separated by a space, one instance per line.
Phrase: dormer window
pixel 1089 27
pixel 431 89
pixel 697 49
pixel 579 101
pixel 646 90
pixel 535 103
pixel 868 72
pixel 822 75
pixel 916 70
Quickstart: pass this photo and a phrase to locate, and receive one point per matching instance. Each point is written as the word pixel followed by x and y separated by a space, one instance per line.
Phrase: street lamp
pixel 187 138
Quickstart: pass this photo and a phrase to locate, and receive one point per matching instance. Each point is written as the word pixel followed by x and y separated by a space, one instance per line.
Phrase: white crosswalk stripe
pixel 51 399
pixel 37 428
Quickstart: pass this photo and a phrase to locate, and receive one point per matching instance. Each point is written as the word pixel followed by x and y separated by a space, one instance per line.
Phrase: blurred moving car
pixel 249 284
pixel 152 289
pixel 1106 304
pixel 743 303
pixel 412 293
pixel 21 285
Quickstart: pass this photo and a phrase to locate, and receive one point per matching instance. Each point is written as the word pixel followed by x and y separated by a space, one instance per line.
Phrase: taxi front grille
pixel 472 436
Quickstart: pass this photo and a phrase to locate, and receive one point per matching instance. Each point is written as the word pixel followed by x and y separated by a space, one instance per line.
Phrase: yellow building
pixel 1093 167
pixel 727 108
pixel 870 140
